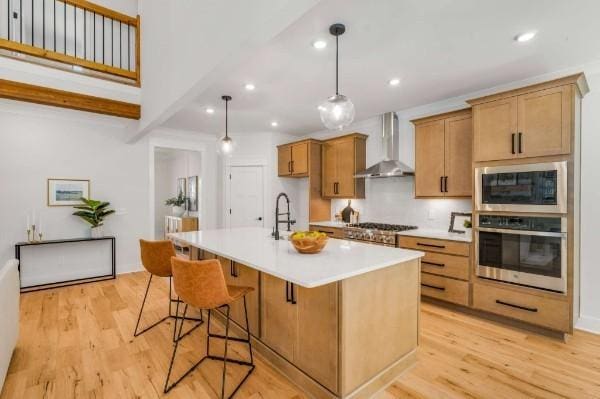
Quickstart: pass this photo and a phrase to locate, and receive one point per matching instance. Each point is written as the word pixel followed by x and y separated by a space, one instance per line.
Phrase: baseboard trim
pixel 588 324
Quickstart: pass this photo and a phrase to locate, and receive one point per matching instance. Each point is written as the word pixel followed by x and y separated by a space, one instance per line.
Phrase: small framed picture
pixel 181 187
pixel 192 193
pixel 67 192
pixel 459 222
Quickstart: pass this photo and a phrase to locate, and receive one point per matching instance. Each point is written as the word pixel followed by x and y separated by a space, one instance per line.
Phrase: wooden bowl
pixel 309 245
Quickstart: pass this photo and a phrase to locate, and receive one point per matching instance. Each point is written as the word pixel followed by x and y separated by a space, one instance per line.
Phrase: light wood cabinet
pixel 293 159
pixel 240 275
pixel 343 157
pixel 529 122
pixel 445 268
pixel 301 325
pixel 175 224
pixel 443 146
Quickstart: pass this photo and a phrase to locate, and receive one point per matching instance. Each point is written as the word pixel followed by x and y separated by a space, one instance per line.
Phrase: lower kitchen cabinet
pixel 445 268
pixel 238 274
pixel 541 310
pixel 301 325
pixel 332 232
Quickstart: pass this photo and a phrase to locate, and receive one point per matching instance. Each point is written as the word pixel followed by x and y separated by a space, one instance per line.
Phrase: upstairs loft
pixel 73 35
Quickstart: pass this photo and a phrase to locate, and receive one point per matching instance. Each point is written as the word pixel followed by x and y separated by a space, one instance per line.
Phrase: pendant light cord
pixel 337 92
pixel 226 117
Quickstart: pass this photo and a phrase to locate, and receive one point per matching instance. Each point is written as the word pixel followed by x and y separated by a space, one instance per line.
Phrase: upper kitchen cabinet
pixel 294 158
pixel 443 147
pixel 533 121
pixel 343 157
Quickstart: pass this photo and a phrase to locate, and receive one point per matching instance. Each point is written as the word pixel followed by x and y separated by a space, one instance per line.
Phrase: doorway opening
pixel 177 191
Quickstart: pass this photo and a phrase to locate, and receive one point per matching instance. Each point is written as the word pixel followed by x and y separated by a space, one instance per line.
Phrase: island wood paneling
pixel 65 99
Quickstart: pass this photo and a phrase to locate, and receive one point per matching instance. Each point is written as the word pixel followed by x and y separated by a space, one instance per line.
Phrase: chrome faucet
pixel 289 220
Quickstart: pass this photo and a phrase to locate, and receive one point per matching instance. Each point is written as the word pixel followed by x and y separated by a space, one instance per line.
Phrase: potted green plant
pixel 94 212
pixel 177 204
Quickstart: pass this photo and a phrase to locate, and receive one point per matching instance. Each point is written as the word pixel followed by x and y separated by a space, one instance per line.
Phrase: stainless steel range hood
pixel 390 166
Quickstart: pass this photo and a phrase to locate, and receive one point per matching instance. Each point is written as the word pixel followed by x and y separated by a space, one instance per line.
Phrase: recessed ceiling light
pixel 249 86
pixel 394 82
pixel 274 124
pixel 319 44
pixel 77 68
pixel 525 37
pixel 210 110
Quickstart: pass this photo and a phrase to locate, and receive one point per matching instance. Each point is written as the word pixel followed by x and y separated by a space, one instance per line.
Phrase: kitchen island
pixel 342 323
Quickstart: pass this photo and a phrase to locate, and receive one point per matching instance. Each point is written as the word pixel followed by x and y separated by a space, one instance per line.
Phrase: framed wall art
pixel 67 192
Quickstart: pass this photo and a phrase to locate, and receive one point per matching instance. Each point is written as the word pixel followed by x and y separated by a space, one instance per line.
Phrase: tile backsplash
pixel 391 200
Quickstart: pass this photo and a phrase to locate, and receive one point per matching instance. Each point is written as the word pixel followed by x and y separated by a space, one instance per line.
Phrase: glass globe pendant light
pixel 337 111
pixel 226 145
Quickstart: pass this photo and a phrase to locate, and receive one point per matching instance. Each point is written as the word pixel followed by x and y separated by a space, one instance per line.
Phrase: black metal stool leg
pixel 136 333
pixel 225 353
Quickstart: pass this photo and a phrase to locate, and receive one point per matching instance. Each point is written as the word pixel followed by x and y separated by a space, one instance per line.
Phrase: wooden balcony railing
pixel 73 32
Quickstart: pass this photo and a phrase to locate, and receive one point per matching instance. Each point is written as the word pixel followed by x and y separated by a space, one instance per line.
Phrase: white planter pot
pixel 177 211
pixel 97 232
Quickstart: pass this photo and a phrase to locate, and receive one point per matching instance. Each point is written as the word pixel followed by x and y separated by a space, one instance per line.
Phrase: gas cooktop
pixel 377 233
pixel 382 226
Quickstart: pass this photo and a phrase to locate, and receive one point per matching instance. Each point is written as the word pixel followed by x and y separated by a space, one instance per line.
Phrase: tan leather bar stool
pixel 156 259
pixel 201 284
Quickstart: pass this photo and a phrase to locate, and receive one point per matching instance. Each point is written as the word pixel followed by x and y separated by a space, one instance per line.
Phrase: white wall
pixel 39 142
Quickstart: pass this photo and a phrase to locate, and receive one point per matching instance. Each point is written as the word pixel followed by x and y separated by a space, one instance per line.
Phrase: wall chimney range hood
pixel 390 166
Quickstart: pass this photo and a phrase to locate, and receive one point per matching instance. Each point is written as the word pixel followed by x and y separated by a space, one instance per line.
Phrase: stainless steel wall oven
pixel 525 250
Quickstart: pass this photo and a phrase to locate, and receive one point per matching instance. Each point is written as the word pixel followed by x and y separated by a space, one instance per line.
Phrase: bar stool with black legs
pixel 156 259
pixel 201 284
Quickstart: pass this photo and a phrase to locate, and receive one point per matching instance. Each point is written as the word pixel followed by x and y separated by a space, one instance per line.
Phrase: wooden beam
pixel 66 59
pixel 66 99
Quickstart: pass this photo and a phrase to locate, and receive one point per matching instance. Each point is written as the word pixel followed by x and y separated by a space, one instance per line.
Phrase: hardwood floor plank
pixel 77 342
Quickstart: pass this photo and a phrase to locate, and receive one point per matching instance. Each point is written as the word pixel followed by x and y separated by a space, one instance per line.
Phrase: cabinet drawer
pixel 446 265
pixel 332 232
pixel 433 245
pixel 542 311
pixel 446 289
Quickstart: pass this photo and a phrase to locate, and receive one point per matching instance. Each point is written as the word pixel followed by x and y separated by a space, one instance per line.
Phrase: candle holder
pixel 32 233
pixel 29 234
pixel 40 236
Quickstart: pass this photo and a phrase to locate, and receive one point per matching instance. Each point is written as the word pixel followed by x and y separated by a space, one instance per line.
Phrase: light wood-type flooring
pixel 76 342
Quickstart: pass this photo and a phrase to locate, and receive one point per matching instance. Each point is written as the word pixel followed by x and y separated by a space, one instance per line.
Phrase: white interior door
pixel 245 199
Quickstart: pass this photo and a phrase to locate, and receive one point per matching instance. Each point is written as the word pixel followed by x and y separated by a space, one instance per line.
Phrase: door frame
pixel 233 163
pixel 175 144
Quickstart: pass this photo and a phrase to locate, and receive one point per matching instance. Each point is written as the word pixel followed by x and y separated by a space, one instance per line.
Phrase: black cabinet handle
pixel 520 143
pixel 430 245
pixel 287 292
pixel 435 287
pixel 292 165
pixel 533 310
pixel 512 143
pixel 442 184
pixel 433 263
pixel 293 295
pixel 445 184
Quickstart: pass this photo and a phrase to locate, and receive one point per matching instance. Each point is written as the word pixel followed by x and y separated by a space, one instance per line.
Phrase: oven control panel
pixel 528 223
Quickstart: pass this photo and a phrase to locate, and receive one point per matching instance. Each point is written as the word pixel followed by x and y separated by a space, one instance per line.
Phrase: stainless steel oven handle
pixel 524 232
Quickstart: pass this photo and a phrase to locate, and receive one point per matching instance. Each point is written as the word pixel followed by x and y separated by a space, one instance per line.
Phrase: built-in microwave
pixel 538 187
pixel 524 250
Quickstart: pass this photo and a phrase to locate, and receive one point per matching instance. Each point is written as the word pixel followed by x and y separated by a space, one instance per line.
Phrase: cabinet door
pixel 300 159
pixel 284 160
pixel 494 129
pixel 279 321
pixel 317 350
pixel 458 139
pixel 545 122
pixel 329 172
pixel 244 276
pixel 346 157
pixel 429 159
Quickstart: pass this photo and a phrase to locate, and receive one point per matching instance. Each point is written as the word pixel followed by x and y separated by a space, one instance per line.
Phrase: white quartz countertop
pixel 439 234
pixel 328 223
pixel 254 247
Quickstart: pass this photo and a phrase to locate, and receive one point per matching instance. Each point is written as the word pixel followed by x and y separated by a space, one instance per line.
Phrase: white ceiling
pixel 438 48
